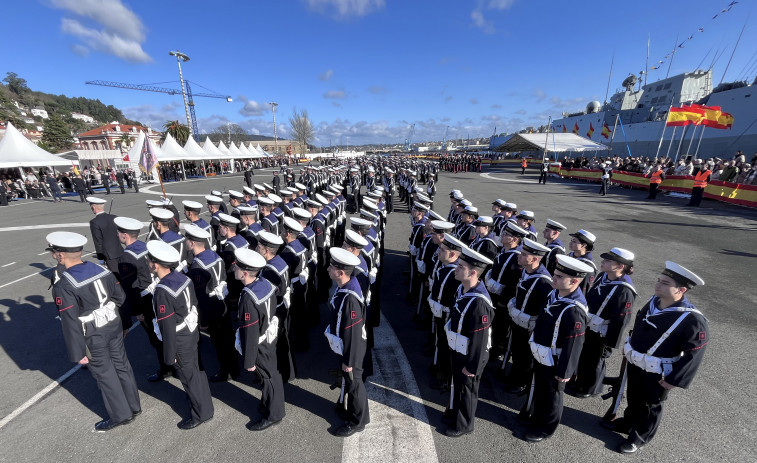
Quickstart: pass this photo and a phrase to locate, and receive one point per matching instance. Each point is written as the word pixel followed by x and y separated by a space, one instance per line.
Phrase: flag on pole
pixel 606 132
pixel 564 129
pixel 725 120
pixel 685 115
pixel 148 158
pixel 76 169
pixel 591 130
pixel 575 128
pixel 125 158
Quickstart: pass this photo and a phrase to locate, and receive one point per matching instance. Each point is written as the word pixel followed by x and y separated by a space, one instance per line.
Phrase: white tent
pixel 17 151
pixel 234 150
pixel 554 142
pixel 135 152
pixel 263 152
pixel 211 151
pixel 244 150
pixel 193 150
pixel 222 148
pixel 171 150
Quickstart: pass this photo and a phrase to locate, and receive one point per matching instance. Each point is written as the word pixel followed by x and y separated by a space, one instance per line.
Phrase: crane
pixel 409 139
pixel 170 91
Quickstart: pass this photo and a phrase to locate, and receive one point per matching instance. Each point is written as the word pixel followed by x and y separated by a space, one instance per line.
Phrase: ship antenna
pixel 646 67
pixel 607 92
pixel 670 63
pixel 732 53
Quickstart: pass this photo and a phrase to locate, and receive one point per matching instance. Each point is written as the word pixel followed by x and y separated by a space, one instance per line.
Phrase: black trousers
pixel 645 400
pixel 543 177
pixel 500 326
pixel 3 199
pixel 194 381
pixel 653 189
pixel 548 400
pixel 111 369
pixel 298 318
pixel 389 202
pixel 81 195
pixel 272 395
pixel 523 360
pixel 222 335
pixel 156 343
pixel 591 365
pixel 464 393
pixel 696 196
pixel 284 357
pixel 441 354
pixel 603 187
pixel 357 398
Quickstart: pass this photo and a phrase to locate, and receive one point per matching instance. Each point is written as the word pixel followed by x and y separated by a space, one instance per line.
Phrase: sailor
pixel 544 171
pixel 173 225
pixel 389 186
pixel 418 220
pixel 228 243
pixel 161 218
pixel 581 244
pixel 236 199
pixel 468 333
pixel 295 255
pixel 551 235
pixel 525 220
pixel 215 206
pixel 257 336
pixel 431 188
pixel 484 242
pixel 249 196
pixel 530 299
pixel 347 338
pixel 318 225
pixel 249 228
pixel 88 298
pixel 268 220
pixel 276 209
pixel 442 294
pixel 192 211
pixel 152 233
pixel 286 198
pixel 277 272
pixel 138 285
pixel 307 238
pixel 208 274
pixel 176 324
pixel 664 351
pixel 424 262
pixel 556 346
pixel 218 194
pixel 498 207
pixel 104 235
pixel 610 301
pixel 454 197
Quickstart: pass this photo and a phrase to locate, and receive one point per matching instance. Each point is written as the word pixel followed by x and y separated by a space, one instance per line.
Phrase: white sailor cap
pixel 354 169
pixel 286 192
pixel 357 222
pixel 269 240
pixel 162 253
pixel 195 233
pixel 456 192
pixel 434 215
pixel 248 191
pixel 419 190
pixel 512 207
pixel 529 215
pixel 293 225
pixel 554 225
pixel 161 215
pixel 371 169
pixel 234 194
pixel 313 203
pixel 375 194
pixel 532 247
pixel 343 259
pixel 258 187
pixel 572 266
pixel 354 239
pixel 484 221
pixel 216 193
pixel 166 201
pixel 63 241
pixel 265 201
pixel 153 203
pixel 337 188
pixel 442 226
pixel 95 200
pixel 368 214
pixel 268 187
pixel 464 202
pixel 328 193
pixel 192 206
pixel 212 199
pixel 321 199
pixel 420 206
pixel 475 259
pixel 301 214
pixel 248 210
pixel 623 256
pixel 127 224
pixel 300 186
pixel 457 195
pixel 584 236
pixel 682 275
pixel 470 210
pixel 227 220
pixel 452 243
pixel 511 228
pixel 368 204
pixel 499 203
pixel 275 198
pixel 247 259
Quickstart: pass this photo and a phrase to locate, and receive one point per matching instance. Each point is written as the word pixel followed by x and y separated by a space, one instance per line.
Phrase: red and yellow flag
pixel 685 115
pixel 564 129
pixel 725 120
pixel 575 128
pixel 606 132
pixel 591 130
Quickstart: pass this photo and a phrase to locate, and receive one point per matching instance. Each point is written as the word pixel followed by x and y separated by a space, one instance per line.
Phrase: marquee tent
pixel 18 151
pixel 553 142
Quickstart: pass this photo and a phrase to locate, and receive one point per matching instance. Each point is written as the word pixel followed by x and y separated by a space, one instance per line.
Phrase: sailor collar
pixel 260 290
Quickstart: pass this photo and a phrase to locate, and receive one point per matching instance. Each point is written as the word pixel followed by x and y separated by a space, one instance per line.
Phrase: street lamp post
pixel 275 137
pixel 179 58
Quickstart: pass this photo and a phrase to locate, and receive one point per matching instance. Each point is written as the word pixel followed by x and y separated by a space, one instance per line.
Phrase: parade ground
pixel 49 405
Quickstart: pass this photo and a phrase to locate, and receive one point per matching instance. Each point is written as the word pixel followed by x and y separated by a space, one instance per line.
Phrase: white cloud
pixel 156 117
pixel 344 9
pixel 326 75
pixel 378 90
pixel 121 33
pixel 252 107
pixel 335 95
pixel 80 49
pixel 477 15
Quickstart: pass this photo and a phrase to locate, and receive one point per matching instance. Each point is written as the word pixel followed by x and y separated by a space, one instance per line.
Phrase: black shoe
pixel 535 437
pixel 220 377
pixel 582 395
pixel 628 447
pixel 261 424
pixel 348 429
pixel 524 419
pixel 515 390
pixel 136 414
pixel 618 425
pixel 438 384
pixel 449 418
pixel 107 425
pixel 156 377
pixel 190 423
pixel 451 432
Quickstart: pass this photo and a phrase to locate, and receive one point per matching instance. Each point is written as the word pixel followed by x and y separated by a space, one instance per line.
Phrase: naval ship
pixel 643 110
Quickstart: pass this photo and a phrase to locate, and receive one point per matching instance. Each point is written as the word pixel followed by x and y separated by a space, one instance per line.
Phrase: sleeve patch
pixel 628 305
pixel 702 335
pixel 58 301
pixel 353 314
pixel 246 317
pixel 484 319
pixel 162 309
pixel 578 326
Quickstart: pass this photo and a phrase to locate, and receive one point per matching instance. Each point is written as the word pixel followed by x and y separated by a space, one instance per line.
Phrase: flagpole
pixel 664 127
pixel 683 135
pixel 546 141
pixel 693 134
pixel 615 126
pixel 699 142
pixel 670 145
pixel 160 178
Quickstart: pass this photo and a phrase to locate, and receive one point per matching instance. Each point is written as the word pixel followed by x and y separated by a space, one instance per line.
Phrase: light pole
pixel 275 137
pixel 179 58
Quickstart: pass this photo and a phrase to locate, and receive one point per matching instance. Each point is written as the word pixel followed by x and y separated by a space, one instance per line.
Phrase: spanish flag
pixel 76 169
pixel 685 115
pixel 564 129
pixel 725 120
pixel 606 132
pixel 575 128
pixel 591 131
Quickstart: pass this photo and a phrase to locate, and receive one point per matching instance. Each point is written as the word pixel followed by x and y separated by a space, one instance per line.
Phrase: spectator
pixel 730 171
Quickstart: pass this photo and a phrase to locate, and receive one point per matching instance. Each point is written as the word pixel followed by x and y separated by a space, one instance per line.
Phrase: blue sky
pixel 365 70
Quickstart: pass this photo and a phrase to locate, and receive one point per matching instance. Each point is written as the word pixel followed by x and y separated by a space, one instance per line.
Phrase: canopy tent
pixel 135 152
pixel 211 151
pixel 171 150
pixel 263 152
pixel 223 149
pixel 17 151
pixel 234 150
pixel 252 152
pixel 553 142
pixel 243 149
pixel 193 150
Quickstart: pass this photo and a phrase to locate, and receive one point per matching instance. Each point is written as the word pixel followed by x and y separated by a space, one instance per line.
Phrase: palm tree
pixel 178 131
pixel 125 141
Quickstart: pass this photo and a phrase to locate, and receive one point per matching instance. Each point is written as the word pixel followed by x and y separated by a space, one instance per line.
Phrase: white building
pixel 83 117
pixel 40 112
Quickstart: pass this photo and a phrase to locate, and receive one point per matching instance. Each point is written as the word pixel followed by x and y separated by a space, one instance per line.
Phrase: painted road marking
pixel 8 265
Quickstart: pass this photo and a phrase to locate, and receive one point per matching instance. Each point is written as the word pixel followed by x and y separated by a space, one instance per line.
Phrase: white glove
pixel 150 289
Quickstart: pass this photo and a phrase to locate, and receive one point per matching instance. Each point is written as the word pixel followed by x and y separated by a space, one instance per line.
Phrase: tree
pixel 180 132
pixel 125 141
pixel 233 133
pixel 16 84
pixel 56 135
pixel 302 128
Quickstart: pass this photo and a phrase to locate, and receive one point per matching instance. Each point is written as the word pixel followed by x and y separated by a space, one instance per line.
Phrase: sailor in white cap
pixel 581 244
pixel 389 187
pixel 218 194
pixel 236 199
pixel 276 271
pixel 249 196
pixel 525 220
pixel 176 324
pixel 431 187
pixel 454 197
pixel 229 242
pixel 208 274
pixel 544 171
pixel 318 225
pixel 215 207
pixel 610 300
pixel 104 235
pixel 551 235
pixel 418 220
pixel 268 221
pixel 606 169
pixel 249 228
pixel 485 242
pixel 295 254
pixel 257 336
pixel 346 336
pixel 192 211
pixel 87 297
pixel 556 343
pixel 468 337
pixel 276 209
pixel 664 351
pixel 308 240
pixel 424 263
pixel 530 298
pixel 354 190
pixel 466 232
pixel 160 220
pixel 498 207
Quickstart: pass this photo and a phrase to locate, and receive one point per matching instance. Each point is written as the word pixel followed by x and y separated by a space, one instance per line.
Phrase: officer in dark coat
pixel 104 234
pixel 88 298
pixel 176 323
pixel 120 181
pixel 79 186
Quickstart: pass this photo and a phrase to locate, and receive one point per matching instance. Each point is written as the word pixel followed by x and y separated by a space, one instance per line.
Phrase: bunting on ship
pixel 606 132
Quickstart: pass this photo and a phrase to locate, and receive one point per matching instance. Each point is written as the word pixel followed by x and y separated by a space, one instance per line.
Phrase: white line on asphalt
pixel 43 253
pixel 49 225
pixel 8 265
pixel 399 429
pixel 44 392
pixel 37 273
pixel 489 176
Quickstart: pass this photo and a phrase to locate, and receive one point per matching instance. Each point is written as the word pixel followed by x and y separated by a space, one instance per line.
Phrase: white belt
pixel 649 363
pixel 270 334
pixel 543 354
pixel 304 275
pixel 335 342
pixel 238 342
pixel 598 324
pixel 190 321
pixel 372 274
pixel 493 286
pixel 221 291
pixel 456 341
pixel 421 266
pixel 100 317
pixel 150 289
pixel 287 296
pixel 521 318
pixel 413 250
pixel 437 308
